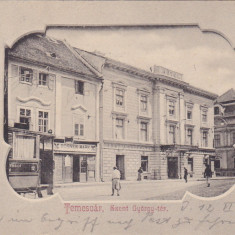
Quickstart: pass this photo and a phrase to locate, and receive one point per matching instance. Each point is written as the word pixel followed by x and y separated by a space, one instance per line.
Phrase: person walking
pixel 116 181
pixel 208 174
pixel 140 171
pixel 185 175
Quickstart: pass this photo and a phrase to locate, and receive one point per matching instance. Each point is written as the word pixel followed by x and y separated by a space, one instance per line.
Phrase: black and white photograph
pixel 122 124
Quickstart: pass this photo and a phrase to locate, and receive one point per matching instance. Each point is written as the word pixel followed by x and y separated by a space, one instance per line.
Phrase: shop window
pixel 171 134
pixel 25 116
pixel 143 103
pixel 26 75
pixel 43 121
pixel 43 79
pixel 190 136
pixel 217 140
pixel 79 87
pixel 144 131
pixel 171 108
pixel 144 163
pixel 205 139
pixel 119 134
pixel 120 97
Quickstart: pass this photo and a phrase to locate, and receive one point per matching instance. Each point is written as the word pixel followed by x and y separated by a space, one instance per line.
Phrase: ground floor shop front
pixel 157 163
pixel 74 163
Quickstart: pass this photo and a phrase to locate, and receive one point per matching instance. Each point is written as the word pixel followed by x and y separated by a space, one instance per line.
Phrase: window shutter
pixel 14 71
pixel 51 81
pixel 35 77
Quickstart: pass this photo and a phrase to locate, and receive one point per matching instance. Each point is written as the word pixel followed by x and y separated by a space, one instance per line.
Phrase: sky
pixel 204 59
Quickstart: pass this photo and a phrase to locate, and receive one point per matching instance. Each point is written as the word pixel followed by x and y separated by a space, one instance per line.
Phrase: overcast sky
pixel 204 59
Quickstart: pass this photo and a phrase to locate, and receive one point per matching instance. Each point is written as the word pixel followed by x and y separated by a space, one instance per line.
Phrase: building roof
pixel 50 52
pixel 98 61
pixel 228 96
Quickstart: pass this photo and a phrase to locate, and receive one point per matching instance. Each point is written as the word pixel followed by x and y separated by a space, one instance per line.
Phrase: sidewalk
pixel 87 184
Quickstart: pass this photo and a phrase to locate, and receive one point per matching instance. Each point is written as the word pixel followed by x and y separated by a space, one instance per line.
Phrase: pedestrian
pixel 207 174
pixel 140 171
pixel 185 175
pixel 116 181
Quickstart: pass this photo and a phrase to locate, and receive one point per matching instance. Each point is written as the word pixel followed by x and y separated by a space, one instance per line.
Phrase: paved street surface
pixel 144 190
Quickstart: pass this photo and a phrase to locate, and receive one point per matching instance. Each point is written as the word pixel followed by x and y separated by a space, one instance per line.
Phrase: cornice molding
pixel 33 98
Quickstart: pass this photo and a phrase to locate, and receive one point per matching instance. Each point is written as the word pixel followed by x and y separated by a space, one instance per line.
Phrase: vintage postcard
pixel 117 117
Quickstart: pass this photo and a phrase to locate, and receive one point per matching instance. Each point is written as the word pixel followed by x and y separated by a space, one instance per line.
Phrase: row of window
pixel 120 100
pixel 26 75
pixel 189 136
pixel 217 140
pixel 25 117
pixel 120 129
pixel 189 112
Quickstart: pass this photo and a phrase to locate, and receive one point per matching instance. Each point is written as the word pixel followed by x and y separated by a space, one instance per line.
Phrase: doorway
pixel 47 166
pixel 80 168
pixel 172 163
pixel 120 165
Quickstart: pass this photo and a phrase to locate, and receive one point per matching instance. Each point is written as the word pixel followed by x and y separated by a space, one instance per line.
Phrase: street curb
pixel 87 184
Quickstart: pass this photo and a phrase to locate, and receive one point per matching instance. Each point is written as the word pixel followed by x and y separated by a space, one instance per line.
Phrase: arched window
pixel 216 110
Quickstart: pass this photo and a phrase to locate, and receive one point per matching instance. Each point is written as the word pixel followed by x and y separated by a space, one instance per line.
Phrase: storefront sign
pixel 75 147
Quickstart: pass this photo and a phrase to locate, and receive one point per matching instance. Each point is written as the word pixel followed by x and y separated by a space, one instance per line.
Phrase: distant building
pixel 224 137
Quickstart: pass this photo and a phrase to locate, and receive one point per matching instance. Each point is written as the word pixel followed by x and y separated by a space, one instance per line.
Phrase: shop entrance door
pixel 120 165
pixel 172 163
pixel 76 169
pixel 79 169
pixel 47 165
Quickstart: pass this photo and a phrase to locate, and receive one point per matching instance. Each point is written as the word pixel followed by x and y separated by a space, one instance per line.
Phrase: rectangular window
pixel 217 164
pixel 233 138
pixel 190 136
pixel 79 126
pixel 144 131
pixel 217 140
pixel 119 97
pixel 171 108
pixel 205 138
pixel 143 103
pixel 43 79
pixel 190 164
pixel 171 134
pixel 25 116
pixel 26 75
pixel 79 87
pixel 43 121
pixel 144 163
pixel 189 114
pixel 119 128
pixel 204 116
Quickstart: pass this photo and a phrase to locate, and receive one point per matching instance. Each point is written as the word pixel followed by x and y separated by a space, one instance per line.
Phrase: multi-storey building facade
pixel 86 113
pixel 52 109
pixel 154 120
pixel 224 139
